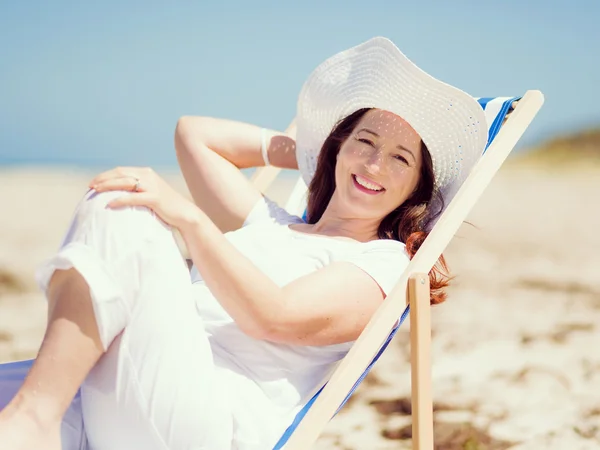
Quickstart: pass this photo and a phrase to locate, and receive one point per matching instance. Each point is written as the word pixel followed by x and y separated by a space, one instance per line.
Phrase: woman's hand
pixel 148 189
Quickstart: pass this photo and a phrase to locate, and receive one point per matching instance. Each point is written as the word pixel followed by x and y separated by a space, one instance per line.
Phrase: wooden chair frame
pixel 412 287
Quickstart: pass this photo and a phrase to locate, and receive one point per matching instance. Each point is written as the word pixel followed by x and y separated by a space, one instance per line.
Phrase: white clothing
pixel 272 380
pixel 178 372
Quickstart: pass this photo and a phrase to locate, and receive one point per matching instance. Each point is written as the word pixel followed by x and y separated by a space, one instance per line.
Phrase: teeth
pixel 365 183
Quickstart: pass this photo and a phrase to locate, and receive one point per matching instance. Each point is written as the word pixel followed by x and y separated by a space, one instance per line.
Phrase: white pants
pixel 156 387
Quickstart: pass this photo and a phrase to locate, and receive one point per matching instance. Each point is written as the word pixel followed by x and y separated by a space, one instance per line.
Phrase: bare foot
pixel 23 432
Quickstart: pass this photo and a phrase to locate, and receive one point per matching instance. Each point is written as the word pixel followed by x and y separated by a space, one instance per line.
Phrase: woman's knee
pixel 138 220
pixel 114 231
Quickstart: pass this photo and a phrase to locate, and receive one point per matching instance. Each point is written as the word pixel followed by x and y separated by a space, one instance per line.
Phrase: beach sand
pixel 516 347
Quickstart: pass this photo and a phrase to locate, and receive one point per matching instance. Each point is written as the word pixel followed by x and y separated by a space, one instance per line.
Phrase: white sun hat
pixel 376 74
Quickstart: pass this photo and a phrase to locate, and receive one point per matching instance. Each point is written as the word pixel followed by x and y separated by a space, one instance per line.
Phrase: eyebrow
pixel 399 146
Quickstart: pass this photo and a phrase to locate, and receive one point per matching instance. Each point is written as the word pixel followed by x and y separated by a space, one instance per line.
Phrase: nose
pixel 374 163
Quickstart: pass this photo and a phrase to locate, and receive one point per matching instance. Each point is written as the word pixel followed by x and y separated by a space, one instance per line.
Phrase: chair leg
pixel 420 355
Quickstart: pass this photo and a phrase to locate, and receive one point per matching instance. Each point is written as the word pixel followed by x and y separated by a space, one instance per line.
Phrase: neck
pixel 334 223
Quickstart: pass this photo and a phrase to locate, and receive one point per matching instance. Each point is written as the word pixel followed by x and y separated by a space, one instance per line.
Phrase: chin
pixel 359 210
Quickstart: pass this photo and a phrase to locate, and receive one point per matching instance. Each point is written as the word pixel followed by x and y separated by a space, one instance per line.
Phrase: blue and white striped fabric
pixel 13 374
pixel 496 109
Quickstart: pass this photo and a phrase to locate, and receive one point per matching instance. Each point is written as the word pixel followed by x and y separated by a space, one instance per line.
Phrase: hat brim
pixel 376 74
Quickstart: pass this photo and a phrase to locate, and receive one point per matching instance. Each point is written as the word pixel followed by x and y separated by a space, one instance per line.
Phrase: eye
pixel 365 141
pixel 401 158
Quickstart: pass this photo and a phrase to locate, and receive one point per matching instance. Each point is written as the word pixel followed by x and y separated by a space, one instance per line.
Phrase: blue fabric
pixel 484 101
pixel 286 435
pixel 15 366
pixel 379 353
pixel 497 123
pixel 12 375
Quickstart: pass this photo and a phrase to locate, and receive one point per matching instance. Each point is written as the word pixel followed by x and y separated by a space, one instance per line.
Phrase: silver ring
pixel 136 186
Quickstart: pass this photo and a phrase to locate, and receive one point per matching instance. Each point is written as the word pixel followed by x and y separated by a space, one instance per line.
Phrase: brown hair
pixel 407 223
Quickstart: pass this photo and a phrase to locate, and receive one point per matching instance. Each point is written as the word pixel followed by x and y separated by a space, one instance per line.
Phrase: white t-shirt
pixel 270 381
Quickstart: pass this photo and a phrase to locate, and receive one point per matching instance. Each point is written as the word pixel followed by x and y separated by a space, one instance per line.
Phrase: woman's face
pixel 378 166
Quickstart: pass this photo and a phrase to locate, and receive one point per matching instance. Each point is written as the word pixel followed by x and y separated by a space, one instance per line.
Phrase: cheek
pixel 402 177
pixel 399 172
pixel 354 152
pixel 404 181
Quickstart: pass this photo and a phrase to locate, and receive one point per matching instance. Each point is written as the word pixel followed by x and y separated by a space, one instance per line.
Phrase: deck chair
pixel 411 294
pixel 412 289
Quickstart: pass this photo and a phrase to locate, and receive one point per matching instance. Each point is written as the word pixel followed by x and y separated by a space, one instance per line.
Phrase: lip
pixel 364 189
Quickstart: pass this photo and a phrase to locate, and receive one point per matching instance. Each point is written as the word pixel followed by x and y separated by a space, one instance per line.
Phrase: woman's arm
pixel 211 153
pixel 329 306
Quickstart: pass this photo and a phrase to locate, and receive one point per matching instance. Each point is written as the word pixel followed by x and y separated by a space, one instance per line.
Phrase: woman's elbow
pixel 280 332
pixel 256 331
pixel 188 129
pixel 262 329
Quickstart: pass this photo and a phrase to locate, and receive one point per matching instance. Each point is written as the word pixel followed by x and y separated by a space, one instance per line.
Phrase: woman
pixel 227 360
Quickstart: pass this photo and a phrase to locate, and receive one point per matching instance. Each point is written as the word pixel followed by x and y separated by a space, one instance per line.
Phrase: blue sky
pixel 103 83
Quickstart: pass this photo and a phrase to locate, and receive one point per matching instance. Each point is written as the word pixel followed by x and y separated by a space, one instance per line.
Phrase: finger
pixel 141 199
pixel 108 174
pixel 116 184
pixel 117 172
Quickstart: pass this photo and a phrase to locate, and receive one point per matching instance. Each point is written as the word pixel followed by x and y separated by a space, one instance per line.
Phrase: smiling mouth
pixel 367 186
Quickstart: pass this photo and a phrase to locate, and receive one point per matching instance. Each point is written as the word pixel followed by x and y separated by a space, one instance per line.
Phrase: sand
pixel 516 347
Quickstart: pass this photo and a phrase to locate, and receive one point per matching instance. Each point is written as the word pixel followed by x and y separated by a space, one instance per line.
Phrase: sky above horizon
pixel 103 84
